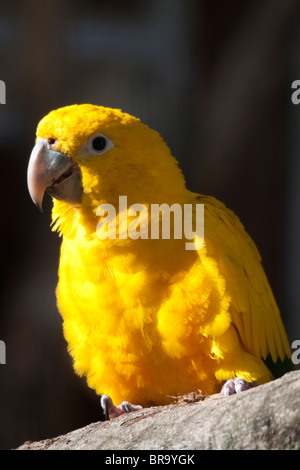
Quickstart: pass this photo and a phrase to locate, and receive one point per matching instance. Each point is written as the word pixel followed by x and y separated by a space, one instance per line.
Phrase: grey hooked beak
pixel 54 172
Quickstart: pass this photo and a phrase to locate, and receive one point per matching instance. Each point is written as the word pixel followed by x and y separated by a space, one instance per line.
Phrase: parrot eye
pixel 97 144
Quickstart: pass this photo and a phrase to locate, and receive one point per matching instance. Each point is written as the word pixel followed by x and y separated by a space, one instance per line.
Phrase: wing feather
pixel 253 307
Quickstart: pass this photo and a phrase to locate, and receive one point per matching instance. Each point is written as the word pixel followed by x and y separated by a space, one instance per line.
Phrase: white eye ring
pixel 97 144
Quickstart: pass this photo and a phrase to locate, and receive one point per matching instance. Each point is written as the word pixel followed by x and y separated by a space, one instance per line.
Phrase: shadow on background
pixel 214 78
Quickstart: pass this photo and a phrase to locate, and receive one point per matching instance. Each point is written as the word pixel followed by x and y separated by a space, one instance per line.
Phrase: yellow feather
pixel 145 319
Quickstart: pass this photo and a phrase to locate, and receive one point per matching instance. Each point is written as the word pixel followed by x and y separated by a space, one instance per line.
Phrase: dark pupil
pixel 99 143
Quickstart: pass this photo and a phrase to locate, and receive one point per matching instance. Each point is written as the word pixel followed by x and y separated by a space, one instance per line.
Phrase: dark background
pixel 214 78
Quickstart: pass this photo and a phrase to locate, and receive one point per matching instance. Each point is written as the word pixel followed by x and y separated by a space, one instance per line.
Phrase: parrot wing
pixel 253 307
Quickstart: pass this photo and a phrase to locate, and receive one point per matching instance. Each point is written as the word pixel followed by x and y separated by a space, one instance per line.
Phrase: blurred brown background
pixel 214 78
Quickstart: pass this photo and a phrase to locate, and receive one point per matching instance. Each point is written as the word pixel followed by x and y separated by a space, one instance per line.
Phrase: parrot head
pixel 86 155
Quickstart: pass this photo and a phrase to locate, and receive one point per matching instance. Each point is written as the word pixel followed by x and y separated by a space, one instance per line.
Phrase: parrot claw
pixel 126 406
pixel 237 385
pixel 111 411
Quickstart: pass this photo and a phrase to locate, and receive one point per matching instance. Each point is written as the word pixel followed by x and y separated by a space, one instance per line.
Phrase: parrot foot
pixel 237 385
pixel 111 411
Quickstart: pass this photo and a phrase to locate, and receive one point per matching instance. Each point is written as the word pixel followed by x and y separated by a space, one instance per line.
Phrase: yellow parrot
pixel 144 317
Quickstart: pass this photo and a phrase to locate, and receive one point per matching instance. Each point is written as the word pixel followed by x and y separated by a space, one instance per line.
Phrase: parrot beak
pixel 54 172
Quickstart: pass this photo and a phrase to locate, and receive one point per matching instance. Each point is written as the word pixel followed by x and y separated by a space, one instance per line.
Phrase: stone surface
pixel 265 417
